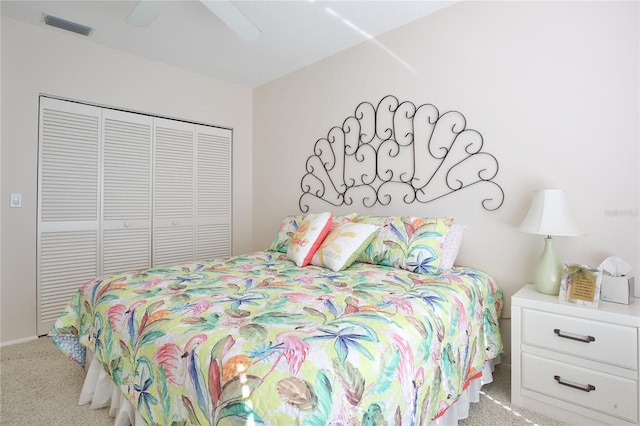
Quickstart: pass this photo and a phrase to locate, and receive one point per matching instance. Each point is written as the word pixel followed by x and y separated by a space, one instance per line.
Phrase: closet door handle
pixel 585 339
pixel 585 388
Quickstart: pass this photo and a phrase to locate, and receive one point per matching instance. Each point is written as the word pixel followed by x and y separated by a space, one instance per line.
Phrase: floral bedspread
pixel 253 340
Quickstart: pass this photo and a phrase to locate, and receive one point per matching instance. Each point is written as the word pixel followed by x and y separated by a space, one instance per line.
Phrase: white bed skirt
pixel 100 391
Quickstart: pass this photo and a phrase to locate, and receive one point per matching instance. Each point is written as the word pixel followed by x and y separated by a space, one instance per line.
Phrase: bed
pixel 368 323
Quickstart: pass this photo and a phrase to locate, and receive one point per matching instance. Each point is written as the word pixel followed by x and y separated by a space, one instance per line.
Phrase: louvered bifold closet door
pixel 173 193
pixel 213 192
pixel 126 206
pixel 68 200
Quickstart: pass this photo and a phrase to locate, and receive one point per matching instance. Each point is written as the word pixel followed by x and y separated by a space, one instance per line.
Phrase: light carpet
pixel 39 385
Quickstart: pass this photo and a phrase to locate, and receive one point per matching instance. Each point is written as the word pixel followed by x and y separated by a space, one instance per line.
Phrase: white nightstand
pixel 577 364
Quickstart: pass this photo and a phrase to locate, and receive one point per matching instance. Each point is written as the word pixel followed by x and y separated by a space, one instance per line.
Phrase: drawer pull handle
pixel 587 388
pixel 585 339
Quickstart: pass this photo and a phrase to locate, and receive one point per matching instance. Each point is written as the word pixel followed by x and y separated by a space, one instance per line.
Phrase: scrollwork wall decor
pixel 400 150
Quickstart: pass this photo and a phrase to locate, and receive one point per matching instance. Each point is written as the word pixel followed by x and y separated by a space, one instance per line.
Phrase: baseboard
pixel 19 341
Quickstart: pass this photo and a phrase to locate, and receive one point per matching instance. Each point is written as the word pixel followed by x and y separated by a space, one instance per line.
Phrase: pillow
pixel 426 240
pixel 410 243
pixel 283 237
pixel 451 246
pixel 343 245
pixel 308 237
pixel 291 223
pixel 337 220
pixel 384 249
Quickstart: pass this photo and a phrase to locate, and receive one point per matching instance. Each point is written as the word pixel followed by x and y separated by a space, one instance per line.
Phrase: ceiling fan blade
pixel 145 12
pixel 230 15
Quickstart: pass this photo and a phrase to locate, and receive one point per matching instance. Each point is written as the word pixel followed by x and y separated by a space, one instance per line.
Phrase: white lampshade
pixel 549 215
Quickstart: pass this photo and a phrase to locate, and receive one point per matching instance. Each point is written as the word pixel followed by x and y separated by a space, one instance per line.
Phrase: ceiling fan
pixel 146 12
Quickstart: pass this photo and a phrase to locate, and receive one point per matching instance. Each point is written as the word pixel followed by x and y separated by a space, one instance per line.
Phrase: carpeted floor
pixel 40 386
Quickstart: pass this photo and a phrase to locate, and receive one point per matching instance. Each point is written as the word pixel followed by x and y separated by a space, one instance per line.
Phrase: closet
pixel 121 191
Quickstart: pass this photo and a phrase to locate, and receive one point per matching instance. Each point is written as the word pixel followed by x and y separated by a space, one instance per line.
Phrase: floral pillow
pixel 379 252
pixel 337 220
pixel 451 246
pixel 411 243
pixel 426 240
pixel 343 245
pixel 308 237
pixel 290 225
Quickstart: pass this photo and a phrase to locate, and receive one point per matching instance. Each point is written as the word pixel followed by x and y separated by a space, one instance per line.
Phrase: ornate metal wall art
pixel 398 150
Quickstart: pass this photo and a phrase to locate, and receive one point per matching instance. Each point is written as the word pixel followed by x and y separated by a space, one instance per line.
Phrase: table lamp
pixel 548 215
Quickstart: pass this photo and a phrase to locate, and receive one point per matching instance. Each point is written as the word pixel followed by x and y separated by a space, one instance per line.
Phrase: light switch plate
pixel 16 200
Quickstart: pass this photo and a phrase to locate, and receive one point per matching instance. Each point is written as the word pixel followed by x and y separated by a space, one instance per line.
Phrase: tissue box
pixel 617 289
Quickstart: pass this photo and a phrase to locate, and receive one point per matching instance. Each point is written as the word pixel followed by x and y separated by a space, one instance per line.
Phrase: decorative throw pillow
pixel 291 223
pixel 426 239
pixel 411 243
pixel 386 247
pixel 451 246
pixel 337 220
pixel 308 237
pixel 288 227
pixel 343 244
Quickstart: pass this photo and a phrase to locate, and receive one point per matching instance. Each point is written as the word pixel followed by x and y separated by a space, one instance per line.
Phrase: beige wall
pixel 47 61
pixel 552 87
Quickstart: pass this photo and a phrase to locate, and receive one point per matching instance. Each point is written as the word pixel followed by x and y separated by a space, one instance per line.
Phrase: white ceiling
pixel 295 33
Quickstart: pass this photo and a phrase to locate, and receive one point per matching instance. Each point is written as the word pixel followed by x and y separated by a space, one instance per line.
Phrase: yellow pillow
pixel 343 245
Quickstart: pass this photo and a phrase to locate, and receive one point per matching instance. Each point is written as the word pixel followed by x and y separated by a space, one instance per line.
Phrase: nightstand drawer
pixel 612 344
pixel 606 393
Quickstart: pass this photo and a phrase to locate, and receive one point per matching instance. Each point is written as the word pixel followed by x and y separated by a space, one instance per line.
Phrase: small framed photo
pixel 580 284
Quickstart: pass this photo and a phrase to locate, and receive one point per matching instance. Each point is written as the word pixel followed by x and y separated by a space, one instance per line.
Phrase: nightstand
pixel 577 364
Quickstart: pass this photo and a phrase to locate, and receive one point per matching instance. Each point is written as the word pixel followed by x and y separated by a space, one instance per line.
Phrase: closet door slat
pixel 173 178
pixel 76 254
pixel 68 204
pixel 213 241
pixel 127 170
pixel 214 174
pixel 126 250
pixel 127 191
pixel 173 195
pixel 69 165
pixel 213 193
pixel 173 245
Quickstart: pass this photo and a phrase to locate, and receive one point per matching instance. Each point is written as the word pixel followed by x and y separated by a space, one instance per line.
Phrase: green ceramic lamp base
pixel 548 273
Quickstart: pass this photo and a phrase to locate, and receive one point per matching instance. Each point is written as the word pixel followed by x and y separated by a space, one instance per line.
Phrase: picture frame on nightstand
pixel 580 284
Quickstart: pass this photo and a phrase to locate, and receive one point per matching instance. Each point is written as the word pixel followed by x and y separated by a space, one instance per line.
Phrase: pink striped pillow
pixel 308 237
